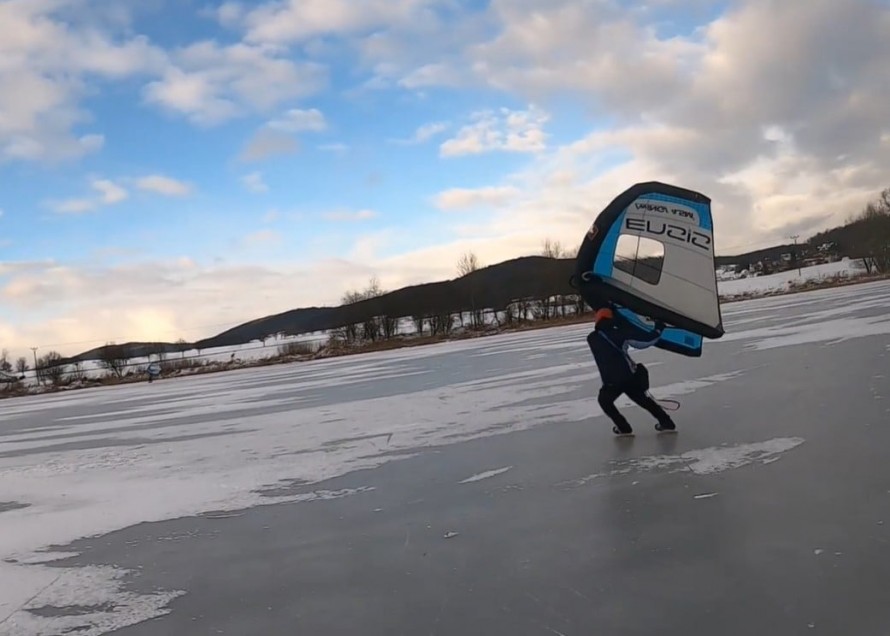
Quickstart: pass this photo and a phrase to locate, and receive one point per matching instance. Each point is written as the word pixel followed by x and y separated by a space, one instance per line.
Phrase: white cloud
pixel 268 143
pixel 167 186
pixel 45 68
pixel 465 198
pixel 350 215
pixel 505 130
pixel 230 14
pixel 428 131
pixel 291 21
pixel 276 136
pixel 598 49
pixel 426 51
pixel 262 237
pixel 211 84
pixel 52 57
pixel 75 206
pixel 424 133
pixel 297 120
pixel 334 147
pixel 109 193
pixel 438 74
pixel 254 182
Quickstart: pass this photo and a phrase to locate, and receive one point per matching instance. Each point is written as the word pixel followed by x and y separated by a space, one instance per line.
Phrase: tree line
pixel 509 293
pixel 865 236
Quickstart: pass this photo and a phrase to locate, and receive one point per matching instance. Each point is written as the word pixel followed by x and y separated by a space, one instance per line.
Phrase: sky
pixel 172 169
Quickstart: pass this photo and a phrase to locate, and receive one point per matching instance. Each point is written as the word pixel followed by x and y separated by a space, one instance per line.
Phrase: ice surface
pixel 172 471
pixel 94 461
pixel 847 318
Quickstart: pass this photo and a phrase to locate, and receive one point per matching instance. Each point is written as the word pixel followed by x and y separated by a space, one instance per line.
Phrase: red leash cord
pixel 675 405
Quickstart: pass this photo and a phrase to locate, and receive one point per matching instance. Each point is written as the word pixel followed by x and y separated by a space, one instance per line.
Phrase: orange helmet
pixel 603 314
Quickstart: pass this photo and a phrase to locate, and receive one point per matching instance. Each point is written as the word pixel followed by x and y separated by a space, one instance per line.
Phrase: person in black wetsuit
pixel 608 343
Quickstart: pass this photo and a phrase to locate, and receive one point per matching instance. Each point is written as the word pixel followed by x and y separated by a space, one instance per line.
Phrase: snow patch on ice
pixel 95 593
pixel 721 458
pixel 24 590
pixel 43 557
pixel 703 461
pixel 486 475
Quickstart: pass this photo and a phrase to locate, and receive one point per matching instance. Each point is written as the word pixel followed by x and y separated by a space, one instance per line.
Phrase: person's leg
pixel 642 399
pixel 641 376
pixel 608 395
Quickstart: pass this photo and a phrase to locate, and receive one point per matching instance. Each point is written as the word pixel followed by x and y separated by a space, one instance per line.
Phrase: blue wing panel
pixel 605 259
pixel 682 342
pixel 672 339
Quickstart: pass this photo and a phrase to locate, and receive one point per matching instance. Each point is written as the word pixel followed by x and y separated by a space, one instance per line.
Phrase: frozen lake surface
pixel 318 496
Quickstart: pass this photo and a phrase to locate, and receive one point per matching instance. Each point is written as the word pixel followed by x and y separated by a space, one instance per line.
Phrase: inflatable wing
pixel 650 252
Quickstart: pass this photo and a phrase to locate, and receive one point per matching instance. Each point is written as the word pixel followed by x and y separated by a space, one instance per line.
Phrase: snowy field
pixel 85 463
pixel 783 281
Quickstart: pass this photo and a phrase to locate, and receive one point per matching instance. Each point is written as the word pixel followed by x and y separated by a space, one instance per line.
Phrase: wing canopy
pixel 651 252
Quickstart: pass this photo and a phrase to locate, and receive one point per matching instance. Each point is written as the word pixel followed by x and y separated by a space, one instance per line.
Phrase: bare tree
pixel 467 263
pixel 418 323
pixel 373 289
pixel 373 327
pixel 5 364
pixel 550 307
pixel 553 249
pixel 49 367
pixel 869 235
pixel 376 327
pixel 78 373
pixel 441 323
pixel 114 358
pixel 21 365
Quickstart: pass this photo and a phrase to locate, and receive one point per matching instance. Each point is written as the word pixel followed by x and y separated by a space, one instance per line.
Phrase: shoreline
pixel 419 341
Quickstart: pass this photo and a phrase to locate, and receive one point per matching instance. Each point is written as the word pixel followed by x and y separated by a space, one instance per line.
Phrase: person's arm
pixel 640 338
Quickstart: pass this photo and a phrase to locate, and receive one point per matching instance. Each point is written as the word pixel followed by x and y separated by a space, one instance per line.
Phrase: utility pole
pixel 36 376
pixel 794 237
